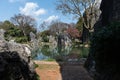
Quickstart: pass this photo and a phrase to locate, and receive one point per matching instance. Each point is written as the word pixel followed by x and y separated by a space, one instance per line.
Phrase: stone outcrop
pixel 23 50
pixel 109 71
pixel 2 34
pixel 110 11
pixel 15 62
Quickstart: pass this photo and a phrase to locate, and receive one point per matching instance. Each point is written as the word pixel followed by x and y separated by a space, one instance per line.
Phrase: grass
pixel 50 59
pixel 36 65
pixel 38 77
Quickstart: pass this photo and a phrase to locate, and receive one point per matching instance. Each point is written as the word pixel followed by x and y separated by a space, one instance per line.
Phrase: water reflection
pixel 69 53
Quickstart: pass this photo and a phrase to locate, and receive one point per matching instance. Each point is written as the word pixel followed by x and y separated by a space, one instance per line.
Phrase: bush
pixel 105 46
pixel 21 39
pixel 44 35
pixel 85 52
pixel 14 32
pixel 36 65
pixel 45 39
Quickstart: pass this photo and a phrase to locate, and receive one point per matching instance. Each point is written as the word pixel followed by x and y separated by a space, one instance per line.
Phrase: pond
pixel 70 53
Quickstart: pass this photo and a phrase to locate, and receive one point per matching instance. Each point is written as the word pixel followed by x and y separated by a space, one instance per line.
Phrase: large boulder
pixel 15 62
pixel 106 60
pixel 102 60
pixel 110 11
pixel 23 50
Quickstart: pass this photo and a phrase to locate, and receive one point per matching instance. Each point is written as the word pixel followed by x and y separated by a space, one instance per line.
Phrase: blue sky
pixel 41 10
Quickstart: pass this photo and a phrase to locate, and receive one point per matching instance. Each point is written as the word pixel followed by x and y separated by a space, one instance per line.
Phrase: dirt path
pixel 61 71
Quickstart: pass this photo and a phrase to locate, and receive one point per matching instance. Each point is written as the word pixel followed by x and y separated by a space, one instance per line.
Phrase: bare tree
pixel 23 22
pixel 78 7
pixel 58 27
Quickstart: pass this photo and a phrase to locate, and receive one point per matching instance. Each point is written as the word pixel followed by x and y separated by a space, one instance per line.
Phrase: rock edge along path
pixel 61 71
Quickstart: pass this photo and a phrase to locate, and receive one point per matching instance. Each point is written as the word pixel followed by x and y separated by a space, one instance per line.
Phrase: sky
pixel 41 10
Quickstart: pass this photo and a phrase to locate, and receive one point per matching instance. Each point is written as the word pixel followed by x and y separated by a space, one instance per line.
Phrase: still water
pixel 71 53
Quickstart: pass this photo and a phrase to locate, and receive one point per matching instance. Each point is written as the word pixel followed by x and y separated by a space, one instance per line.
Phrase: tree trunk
pixel 85 35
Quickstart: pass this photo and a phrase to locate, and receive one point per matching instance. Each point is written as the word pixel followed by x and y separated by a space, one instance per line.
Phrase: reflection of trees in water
pixel 46 50
pixel 56 52
pixel 61 53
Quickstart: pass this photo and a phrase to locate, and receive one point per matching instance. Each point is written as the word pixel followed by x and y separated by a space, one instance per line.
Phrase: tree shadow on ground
pixel 73 71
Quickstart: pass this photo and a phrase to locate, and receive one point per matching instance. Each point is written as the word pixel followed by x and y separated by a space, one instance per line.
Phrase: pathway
pixel 61 71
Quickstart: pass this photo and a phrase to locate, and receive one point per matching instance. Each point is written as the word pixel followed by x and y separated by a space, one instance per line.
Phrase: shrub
pixel 21 39
pixel 36 65
pixel 85 52
pixel 45 39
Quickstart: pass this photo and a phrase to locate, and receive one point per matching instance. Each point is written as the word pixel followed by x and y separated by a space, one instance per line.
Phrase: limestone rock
pixel 15 62
pixel 12 67
pixel 110 13
pixel 2 34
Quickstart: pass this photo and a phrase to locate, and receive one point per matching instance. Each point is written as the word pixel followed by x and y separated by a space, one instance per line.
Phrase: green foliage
pixel 14 32
pixel 105 46
pixel 36 65
pixel 46 50
pixel 37 77
pixel 44 35
pixel 21 39
pixel 85 52
pixel 45 39
pixel 79 25
pixel 6 25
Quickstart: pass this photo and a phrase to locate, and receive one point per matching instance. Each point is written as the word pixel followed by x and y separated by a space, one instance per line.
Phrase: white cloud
pixel 32 9
pixel 45 23
pixel 12 1
pixel 40 11
pixel 51 18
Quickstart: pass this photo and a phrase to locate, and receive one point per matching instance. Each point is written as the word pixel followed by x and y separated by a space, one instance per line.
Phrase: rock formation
pixel 15 62
pixel 110 11
pixel 2 34
pixel 109 71
pixel 13 67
